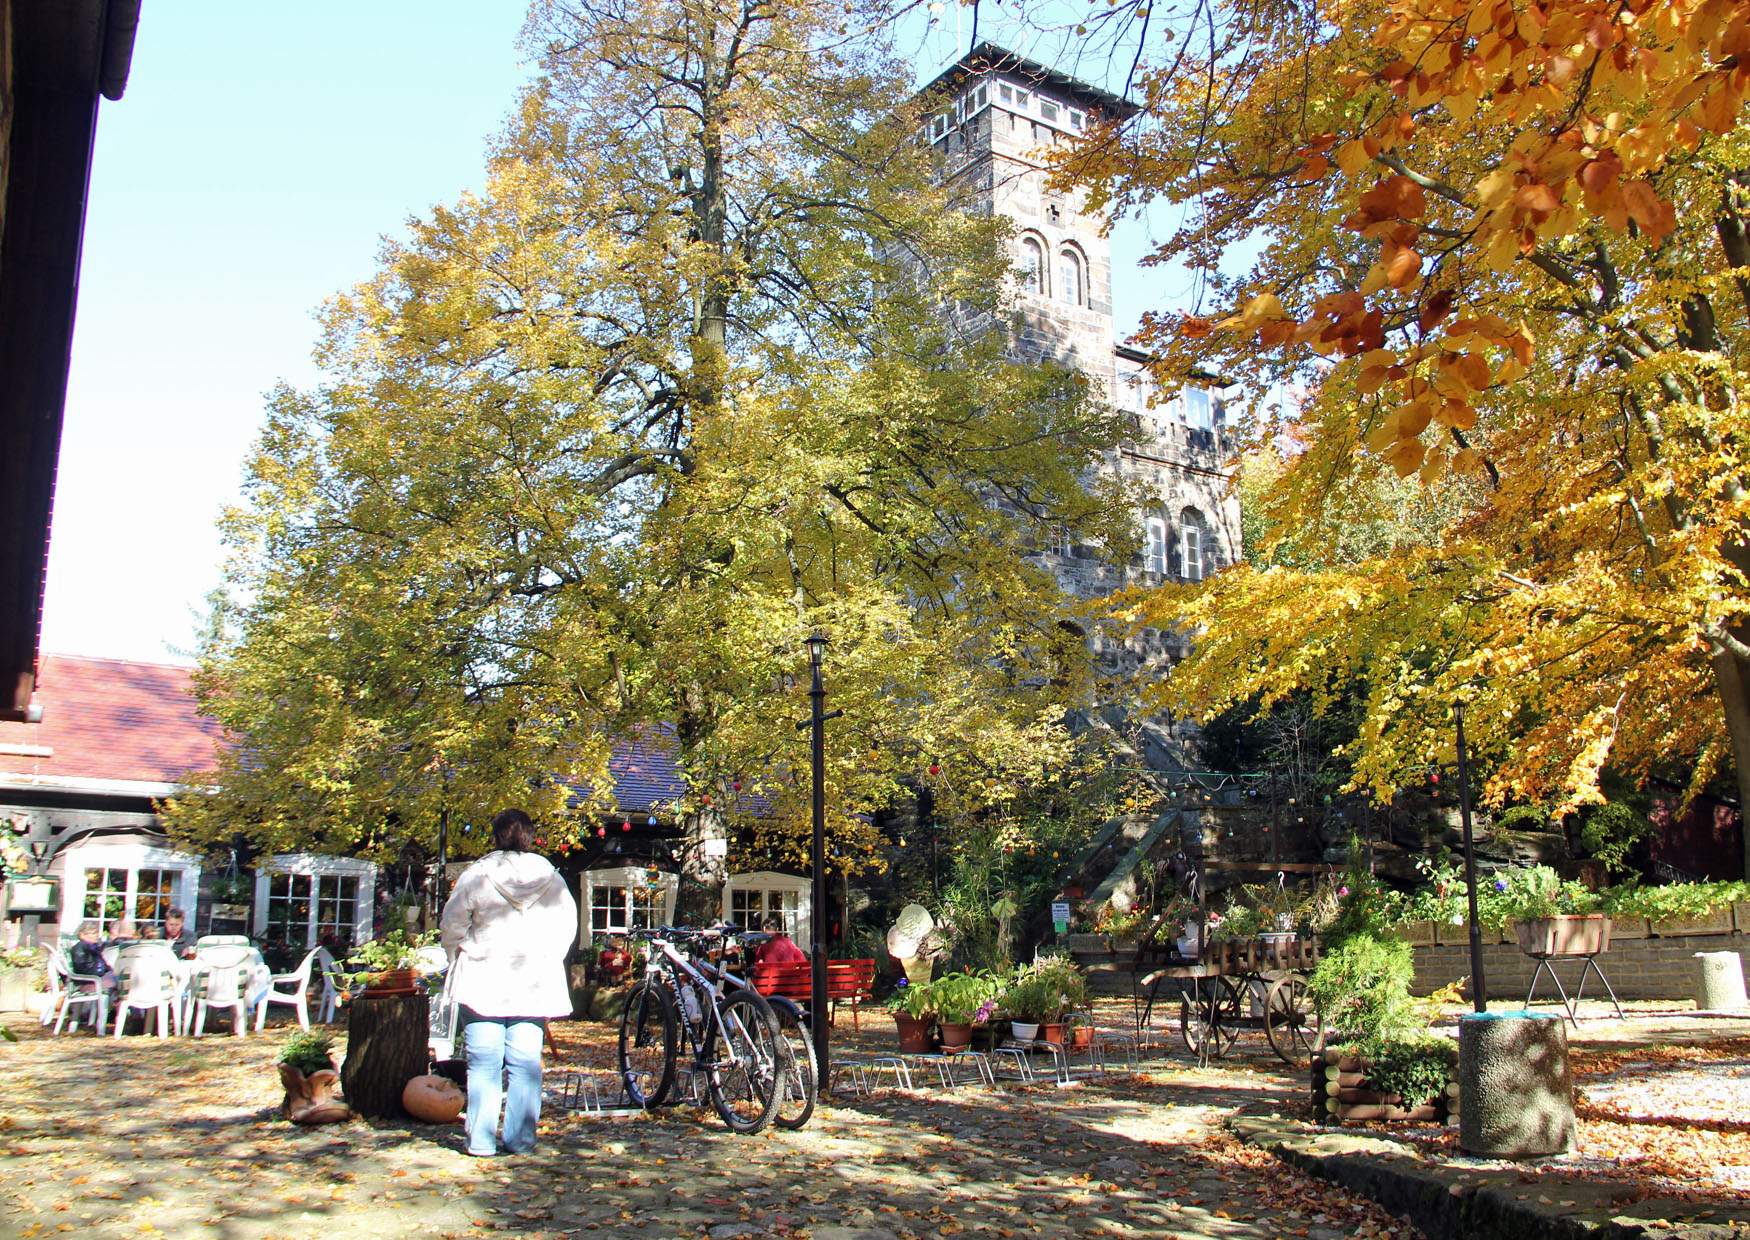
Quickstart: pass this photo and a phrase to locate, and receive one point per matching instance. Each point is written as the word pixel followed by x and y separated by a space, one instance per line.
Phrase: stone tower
pixel 1000 115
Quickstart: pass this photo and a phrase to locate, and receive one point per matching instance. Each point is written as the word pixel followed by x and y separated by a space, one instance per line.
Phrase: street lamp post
pixel 1479 996
pixel 816 723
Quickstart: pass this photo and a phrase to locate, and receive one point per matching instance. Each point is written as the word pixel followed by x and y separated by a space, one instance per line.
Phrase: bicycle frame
pixel 666 964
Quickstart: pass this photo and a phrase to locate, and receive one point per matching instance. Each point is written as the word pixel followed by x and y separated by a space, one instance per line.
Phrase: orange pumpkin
pixel 434 1099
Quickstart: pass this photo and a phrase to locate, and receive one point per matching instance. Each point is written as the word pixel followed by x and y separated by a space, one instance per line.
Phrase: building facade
pixel 1001 116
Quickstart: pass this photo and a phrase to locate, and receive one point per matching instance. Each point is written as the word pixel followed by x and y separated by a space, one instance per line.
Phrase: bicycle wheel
pixel 801 1072
pixel 746 1076
pixel 647 1045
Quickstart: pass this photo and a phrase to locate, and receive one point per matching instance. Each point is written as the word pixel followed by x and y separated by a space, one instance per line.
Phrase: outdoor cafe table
pixel 189 976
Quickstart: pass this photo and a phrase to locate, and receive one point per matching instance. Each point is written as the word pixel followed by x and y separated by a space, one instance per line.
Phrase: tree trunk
pixel 386 1041
pixel 1732 679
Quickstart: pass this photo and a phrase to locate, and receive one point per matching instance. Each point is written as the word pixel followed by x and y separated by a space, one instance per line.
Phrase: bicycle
pixel 803 1080
pixel 735 1038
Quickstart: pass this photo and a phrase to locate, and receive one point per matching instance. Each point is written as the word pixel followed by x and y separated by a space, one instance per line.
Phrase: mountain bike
pixel 734 1037
pixel 803 1080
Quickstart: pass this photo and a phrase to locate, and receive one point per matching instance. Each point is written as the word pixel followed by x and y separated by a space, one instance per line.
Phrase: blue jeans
pixel 498 1047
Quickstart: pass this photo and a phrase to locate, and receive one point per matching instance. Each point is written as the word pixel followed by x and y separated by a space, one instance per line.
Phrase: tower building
pixel 1000 117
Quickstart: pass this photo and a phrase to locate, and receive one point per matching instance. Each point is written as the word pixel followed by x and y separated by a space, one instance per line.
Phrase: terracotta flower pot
pixel 914 1034
pixel 393 982
pixel 310 1099
pixel 1051 1031
pixel 955 1037
pixel 1081 1037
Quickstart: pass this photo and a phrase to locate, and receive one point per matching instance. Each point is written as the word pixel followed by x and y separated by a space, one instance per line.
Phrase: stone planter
pixel 1517 1086
pixel 1448 935
pixel 1628 927
pixel 16 988
pixel 1088 944
pixel 1584 935
pixel 1417 933
pixel 1719 921
pixel 1741 916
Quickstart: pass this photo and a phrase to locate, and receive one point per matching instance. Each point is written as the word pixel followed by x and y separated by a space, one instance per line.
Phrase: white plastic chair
pixel 146 983
pixel 74 995
pixel 221 976
pixel 333 980
pixel 221 940
pixel 54 985
pixel 297 997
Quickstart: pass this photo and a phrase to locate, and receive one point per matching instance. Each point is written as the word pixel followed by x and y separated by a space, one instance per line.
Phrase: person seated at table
pixel 153 933
pixel 779 949
pixel 123 933
pixel 177 931
pixel 86 956
pixel 611 965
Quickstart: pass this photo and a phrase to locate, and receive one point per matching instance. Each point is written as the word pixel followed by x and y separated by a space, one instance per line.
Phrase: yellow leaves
pixel 1655 216
pixel 1352 157
pixel 1405 456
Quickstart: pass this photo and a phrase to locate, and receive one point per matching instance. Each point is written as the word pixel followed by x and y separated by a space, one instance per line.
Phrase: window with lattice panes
pixel 106 897
pixel 749 907
pixel 154 893
pixel 289 906
pixel 607 910
pixel 337 908
pixel 1154 551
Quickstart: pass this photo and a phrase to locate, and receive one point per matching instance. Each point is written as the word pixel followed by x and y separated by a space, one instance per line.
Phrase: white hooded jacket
pixel 506 928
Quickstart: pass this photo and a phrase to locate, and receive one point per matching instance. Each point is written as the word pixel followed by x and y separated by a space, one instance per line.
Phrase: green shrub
pixel 1416 1068
pixel 959 997
pixel 1674 900
pixel 1609 831
pixel 1363 988
pixel 1524 818
pixel 1526 893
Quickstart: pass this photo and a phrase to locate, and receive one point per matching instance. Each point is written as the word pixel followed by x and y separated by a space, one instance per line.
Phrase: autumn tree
pixel 712 362
pixel 1501 247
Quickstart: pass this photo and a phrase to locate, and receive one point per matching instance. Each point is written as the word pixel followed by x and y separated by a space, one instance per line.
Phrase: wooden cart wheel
pixel 1224 1015
pixel 1194 1020
pixel 1292 1021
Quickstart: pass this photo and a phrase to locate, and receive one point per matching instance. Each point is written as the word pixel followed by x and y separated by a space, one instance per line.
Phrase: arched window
pixel 1154 545
pixel 1032 265
pixel 1193 546
pixel 1071 284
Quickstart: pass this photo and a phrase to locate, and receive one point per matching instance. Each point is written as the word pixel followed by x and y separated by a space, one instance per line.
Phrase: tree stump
pixel 386 1046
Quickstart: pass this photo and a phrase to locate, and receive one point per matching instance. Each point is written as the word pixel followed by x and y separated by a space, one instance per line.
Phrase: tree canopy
pixel 711 362
pixel 1502 248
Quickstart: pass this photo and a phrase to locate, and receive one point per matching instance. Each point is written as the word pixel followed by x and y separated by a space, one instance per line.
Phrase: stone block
pixel 1418 933
pixel 1517 1087
pixel 1719 982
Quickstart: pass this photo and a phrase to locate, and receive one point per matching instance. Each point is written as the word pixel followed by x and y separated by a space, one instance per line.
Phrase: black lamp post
pixel 816 723
pixel 1479 996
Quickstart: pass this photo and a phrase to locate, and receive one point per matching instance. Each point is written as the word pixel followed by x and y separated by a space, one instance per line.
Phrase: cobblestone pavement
pixel 182 1138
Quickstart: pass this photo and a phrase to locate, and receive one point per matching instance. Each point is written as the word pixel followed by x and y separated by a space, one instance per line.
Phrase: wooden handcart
pixel 1259 983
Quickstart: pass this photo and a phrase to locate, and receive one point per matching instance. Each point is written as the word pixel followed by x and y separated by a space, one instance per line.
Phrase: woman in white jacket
pixel 507 927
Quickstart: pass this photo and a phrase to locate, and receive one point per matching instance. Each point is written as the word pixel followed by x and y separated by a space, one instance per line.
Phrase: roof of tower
pixel 990 56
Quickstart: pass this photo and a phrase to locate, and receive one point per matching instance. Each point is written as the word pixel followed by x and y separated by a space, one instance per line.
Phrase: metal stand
pixel 1570 1006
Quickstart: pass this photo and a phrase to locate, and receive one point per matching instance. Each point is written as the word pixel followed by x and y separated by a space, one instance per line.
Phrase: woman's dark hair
pixel 774 924
pixel 512 831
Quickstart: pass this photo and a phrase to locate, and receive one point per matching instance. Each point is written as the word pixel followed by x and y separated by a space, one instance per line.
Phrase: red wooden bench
pixel 847 981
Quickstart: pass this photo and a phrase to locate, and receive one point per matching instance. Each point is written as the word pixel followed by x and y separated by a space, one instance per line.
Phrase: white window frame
pixel 314 866
pixel 1049 111
pixel 625 877
pixel 1199 409
pixel 70 866
pixel 797 922
pixel 1190 552
pixel 1154 544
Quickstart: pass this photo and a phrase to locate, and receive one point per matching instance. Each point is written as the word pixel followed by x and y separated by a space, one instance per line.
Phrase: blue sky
pixel 257 159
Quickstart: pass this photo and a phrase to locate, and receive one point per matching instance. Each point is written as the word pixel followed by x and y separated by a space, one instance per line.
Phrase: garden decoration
pixel 913 942
pixel 914 1014
pixel 306 1068
pixel 1516 1086
pixel 434 1099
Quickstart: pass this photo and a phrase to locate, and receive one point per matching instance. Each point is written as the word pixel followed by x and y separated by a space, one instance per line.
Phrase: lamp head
pixel 816 643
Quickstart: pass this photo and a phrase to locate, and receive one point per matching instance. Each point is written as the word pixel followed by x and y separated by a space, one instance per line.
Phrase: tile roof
pixel 108 719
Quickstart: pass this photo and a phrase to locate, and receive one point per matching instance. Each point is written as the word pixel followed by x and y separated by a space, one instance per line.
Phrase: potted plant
pixel 231 894
pixel 1065 990
pixel 1028 1003
pixel 1551 917
pixel 962 1000
pixel 392 962
pixel 913 1013
pixel 404 911
pixel 306 1066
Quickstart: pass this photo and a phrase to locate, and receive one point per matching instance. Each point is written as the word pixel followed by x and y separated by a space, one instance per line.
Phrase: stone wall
pixel 1641 963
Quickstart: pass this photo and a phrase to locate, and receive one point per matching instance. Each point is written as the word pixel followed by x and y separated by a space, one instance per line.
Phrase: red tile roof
pixel 108 719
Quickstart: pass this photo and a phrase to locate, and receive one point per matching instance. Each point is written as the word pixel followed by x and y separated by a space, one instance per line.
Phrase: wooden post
pixel 387 1037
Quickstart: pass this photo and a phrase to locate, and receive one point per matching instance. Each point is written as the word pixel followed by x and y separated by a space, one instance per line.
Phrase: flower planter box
pixel 1585 935
pixel 1341 1095
pixel 1091 944
pixel 1418 933
pixel 1719 921
pixel 1741 916
pixel 1628 927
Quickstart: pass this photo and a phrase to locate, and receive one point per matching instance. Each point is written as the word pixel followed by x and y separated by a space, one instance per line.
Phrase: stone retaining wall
pixel 1646 966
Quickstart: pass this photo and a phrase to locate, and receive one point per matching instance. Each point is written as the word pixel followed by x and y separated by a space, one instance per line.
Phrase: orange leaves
pixel 1394 198
pixel 1600 174
pixel 1655 216
pixel 1435 310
